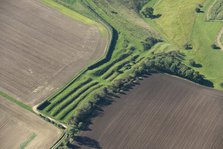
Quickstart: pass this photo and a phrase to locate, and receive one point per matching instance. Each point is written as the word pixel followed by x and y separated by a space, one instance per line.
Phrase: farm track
pixel 220 44
pixel 163 112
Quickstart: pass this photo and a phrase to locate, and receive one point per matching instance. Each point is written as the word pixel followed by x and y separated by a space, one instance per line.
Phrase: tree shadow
pixel 197 65
pixel 86 141
pixel 207 83
pixel 73 146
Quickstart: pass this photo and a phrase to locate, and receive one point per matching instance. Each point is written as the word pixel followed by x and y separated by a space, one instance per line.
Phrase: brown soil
pixel 41 49
pixel 16 125
pixel 163 112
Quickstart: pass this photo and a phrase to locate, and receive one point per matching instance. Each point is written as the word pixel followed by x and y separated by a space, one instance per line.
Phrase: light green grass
pixel 204 34
pixel 180 24
pixel 177 19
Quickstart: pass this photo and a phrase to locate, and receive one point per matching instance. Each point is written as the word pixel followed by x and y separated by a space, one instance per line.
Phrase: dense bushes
pixel 148 12
pixel 149 42
pixel 172 63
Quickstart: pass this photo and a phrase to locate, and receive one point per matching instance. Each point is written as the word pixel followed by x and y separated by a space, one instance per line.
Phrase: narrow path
pixel 219 39
pixel 55 121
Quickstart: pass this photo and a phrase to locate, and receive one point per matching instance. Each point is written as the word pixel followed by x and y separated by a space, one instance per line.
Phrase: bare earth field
pixel 41 49
pixel 163 112
pixel 17 125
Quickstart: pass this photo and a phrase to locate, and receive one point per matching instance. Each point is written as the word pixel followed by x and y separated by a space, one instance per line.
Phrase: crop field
pixel 163 112
pixel 41 49
pixel 22 129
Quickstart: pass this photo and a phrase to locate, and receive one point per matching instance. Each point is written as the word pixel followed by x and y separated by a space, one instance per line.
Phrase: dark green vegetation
pixel 136 50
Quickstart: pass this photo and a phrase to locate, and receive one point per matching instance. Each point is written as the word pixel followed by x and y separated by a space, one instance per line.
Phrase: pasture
pixel 180 24
pixel 163 112
pixel 22 129
pixel 41 49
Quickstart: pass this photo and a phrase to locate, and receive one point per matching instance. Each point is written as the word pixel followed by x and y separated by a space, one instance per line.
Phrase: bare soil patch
pixel 17 126
pixel 163 112
pixel 41 49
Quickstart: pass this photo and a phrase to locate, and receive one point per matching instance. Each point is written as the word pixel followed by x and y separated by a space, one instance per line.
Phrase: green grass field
pixel 180 24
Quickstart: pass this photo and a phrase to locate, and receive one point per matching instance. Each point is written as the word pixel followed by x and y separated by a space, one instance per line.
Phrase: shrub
pixel 221 84
pixel 188 46
pixel 148 12
pixel 192 63
pixel 214 46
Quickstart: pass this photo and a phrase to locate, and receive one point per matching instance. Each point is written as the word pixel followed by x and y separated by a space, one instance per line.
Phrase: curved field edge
pixel 102 26
pixel 84 70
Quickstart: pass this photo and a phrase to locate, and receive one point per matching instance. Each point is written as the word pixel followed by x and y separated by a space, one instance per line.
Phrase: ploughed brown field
pixel 163 112
pixel 17 126
pixel 41 49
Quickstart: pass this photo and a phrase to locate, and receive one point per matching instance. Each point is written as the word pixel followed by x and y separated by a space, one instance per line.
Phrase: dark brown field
pixel 41 49
pixel 163 112
pixel 17 125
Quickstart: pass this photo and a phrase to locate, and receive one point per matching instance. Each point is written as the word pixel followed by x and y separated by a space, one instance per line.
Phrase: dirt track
pixel 16 125
pixel 41 49
pixel 219 39
pixel 163 112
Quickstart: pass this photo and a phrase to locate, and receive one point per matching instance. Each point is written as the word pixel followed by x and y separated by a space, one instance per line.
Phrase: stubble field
pixel 41 49
pixel 19 128
pixel 163 112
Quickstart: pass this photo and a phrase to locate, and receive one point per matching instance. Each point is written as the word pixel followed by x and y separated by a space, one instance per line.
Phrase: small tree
pixel 188 46
pixel 198 10
pixel 148 12
pixel 221 84
pixel 192 62
pixel 214 46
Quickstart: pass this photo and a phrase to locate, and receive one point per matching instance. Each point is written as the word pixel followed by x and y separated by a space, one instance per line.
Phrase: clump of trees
pixel 194 64
pixel 148 12
pixel 198 8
